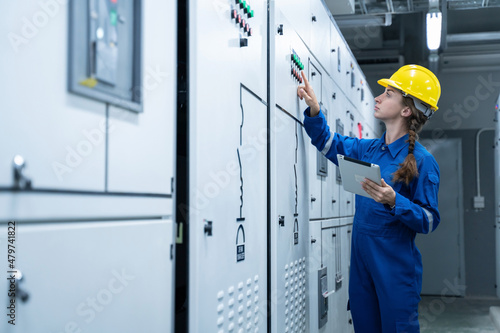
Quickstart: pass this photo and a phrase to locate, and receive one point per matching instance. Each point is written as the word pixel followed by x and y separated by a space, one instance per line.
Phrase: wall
pixel 479 236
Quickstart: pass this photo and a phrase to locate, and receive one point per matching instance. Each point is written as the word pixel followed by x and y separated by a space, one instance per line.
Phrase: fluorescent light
pixel 434 22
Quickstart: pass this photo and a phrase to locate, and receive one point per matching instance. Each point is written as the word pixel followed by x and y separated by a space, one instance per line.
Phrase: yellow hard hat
pixel 420 84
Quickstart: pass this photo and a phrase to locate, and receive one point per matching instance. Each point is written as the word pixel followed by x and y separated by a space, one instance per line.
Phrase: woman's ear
pixel 406 112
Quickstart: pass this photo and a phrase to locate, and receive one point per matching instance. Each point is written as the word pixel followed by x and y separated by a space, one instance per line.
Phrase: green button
pixel 113 17
pixel 251 13
pixel 295 59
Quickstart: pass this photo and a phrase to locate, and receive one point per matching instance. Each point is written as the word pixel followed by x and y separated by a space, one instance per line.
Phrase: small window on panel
pixel 105 51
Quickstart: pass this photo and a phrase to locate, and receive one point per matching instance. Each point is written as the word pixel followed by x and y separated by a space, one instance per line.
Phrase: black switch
pixel 243 42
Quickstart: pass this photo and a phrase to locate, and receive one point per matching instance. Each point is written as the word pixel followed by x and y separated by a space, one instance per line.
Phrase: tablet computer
pixel 354 171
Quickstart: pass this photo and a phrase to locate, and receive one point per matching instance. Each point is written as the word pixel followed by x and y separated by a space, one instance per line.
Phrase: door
pixel 442 250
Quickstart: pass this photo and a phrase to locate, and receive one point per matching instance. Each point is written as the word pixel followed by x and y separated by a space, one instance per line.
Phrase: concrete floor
pixel 456 315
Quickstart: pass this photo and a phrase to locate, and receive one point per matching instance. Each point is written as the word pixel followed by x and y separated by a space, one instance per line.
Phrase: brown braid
pixel 408 169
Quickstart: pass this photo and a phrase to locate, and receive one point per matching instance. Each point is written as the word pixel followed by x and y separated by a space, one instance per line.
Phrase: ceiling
pixel 385 34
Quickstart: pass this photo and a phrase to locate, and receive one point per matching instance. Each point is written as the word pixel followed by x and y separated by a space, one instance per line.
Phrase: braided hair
pixel 408 169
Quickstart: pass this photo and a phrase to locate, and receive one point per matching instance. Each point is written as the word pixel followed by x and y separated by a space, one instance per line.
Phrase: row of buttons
pixel 296 60
pixel 246 7
pixel 241 22
pixel 296 75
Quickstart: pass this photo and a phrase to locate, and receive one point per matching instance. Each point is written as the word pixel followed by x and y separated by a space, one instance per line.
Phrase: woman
pixel 386 266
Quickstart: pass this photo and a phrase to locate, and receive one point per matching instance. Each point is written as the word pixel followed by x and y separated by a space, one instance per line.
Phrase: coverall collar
pixel 397 145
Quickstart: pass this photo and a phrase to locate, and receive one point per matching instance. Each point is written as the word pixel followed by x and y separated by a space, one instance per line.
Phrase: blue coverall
pixel 386 267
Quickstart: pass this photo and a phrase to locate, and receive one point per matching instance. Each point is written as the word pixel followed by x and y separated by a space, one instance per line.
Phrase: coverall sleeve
pixel 328 143
pixel 421 212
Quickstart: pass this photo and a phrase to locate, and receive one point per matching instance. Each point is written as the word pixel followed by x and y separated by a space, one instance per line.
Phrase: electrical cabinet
pixel 86 275
pixel 290 187
pixel 75 147
pixel 228 166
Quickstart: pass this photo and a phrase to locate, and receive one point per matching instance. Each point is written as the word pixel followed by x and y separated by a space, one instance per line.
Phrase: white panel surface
pixel 285 45
pixel 291 198
pixel 289 193
pixel 315 264
pixel 298 12
pixel 86 276
pixel 141 145
pixel 329 258
pixel 315 181
pixel 228 168
pixel 60 135
pixel 344 315
pixel 329 188
pixel 336 52
pixel 320 34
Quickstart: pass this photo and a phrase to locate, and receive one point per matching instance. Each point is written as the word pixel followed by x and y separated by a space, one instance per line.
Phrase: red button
pixel 233 14
pixel 238 18
pixel 250 32
pixel 247 27
pixel 242 23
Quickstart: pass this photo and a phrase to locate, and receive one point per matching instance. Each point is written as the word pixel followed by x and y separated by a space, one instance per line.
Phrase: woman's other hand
pixel 383 194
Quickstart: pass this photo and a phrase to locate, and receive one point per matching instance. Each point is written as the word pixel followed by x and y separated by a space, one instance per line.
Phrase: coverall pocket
pixel 407 327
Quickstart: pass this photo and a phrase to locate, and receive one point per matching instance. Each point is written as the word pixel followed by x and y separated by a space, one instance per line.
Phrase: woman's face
pixel 389 105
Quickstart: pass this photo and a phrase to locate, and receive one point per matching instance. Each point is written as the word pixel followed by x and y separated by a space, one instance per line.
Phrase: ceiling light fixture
pixel 434 24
